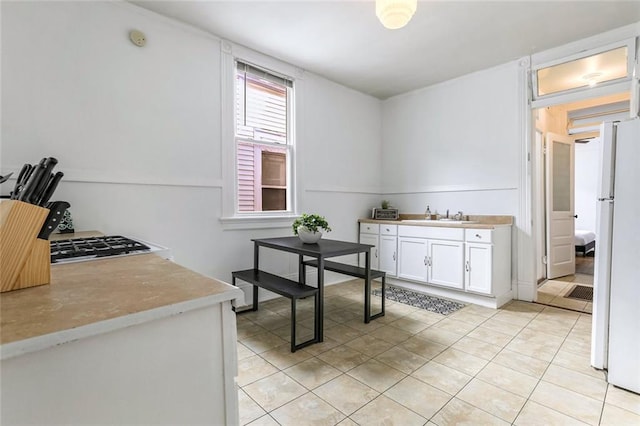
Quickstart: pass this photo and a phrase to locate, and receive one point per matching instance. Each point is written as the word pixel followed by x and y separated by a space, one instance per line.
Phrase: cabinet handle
pixel 479 236
pixel 466 266
pixel 425 261
pixel 376 252
pixel 394 255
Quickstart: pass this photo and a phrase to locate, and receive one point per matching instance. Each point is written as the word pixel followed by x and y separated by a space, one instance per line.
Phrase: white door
pixel 560 206
pixel 412 259
pixel 477 267
pixel 388 254
pixel 371 239
pixel 445 263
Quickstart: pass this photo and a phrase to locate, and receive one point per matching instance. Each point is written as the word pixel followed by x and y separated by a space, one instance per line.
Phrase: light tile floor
pixel 552 292
pixel 524 364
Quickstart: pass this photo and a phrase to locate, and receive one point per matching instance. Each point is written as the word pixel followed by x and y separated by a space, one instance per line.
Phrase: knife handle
pixel 37 193
pixel 23 177
pixel 56 212
pixel 34 181
pixel 51 187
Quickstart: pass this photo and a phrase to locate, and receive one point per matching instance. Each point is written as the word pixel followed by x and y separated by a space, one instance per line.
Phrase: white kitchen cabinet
pixel 388 249
pixel 488 261
pixel 413 256
pixel 477 267
pixel 431 261
pixel 473 260
pixel 431 255
pixel 445 263
pixel 369 234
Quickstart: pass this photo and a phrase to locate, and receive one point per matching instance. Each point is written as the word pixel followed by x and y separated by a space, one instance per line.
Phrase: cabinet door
pixel 371 239
pixel 446 260
pixel 412 258
pixel 477 267
pixel 388 254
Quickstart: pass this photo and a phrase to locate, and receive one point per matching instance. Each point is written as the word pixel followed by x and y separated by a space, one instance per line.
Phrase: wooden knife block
pixel 25 260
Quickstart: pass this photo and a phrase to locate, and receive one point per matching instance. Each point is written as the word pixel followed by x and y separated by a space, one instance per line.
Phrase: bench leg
pixel 384 292
pixel 384 296
pixel 314 339
pixel 255 298
pixel 367 301
pixel 293 325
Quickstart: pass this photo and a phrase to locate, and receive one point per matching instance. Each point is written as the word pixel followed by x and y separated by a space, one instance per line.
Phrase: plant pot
pixel 307 236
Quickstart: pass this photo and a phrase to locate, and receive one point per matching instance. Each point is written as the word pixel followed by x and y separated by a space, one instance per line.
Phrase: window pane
pixel 262 177
pixel 561 177
pixel 261 109
pixel 583 72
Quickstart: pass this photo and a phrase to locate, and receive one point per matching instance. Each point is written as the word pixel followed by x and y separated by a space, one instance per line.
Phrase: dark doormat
pixel 419 300
pixel 581 292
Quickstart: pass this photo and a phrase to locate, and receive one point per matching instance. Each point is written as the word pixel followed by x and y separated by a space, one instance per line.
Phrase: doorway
pixel 578 123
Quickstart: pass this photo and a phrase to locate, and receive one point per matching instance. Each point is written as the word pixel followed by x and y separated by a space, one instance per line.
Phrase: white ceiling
pixel 344 42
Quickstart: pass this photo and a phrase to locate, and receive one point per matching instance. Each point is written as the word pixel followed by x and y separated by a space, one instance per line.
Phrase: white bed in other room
pixel 585 241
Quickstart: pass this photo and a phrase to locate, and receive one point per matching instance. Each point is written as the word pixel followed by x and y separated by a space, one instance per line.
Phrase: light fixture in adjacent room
pixel 395 14
pixel 592 78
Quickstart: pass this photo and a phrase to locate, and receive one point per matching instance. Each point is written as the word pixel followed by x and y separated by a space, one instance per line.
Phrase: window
pixel 263 140
pixel 584 72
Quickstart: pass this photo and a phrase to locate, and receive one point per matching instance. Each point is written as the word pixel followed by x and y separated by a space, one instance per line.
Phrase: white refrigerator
pixel 615 344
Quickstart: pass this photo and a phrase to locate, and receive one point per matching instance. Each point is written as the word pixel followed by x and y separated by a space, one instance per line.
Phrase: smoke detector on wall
pixel 138 38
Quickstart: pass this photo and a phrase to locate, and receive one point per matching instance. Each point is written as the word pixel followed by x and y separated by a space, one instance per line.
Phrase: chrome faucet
pixel 459 216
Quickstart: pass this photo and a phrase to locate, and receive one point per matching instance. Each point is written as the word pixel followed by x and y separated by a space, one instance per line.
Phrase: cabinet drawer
pixel 478 235
pixel 388 229
pixel 369 228
pixel 431 232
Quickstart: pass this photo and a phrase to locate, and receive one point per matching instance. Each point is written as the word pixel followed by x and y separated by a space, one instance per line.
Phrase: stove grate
pixel 95 247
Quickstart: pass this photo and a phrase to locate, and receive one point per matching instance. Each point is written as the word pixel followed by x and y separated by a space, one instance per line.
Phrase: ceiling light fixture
pixel 395 14
pixel 592 78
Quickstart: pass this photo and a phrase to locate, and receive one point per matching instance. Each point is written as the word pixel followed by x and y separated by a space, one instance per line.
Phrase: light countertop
pixel 479 221
pixel 94 297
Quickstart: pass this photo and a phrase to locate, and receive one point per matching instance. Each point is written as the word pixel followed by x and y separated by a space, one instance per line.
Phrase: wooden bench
pixel 357 272
pixel 286 288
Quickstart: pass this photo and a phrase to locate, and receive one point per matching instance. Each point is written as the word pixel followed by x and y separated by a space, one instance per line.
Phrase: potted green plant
pixel 308 227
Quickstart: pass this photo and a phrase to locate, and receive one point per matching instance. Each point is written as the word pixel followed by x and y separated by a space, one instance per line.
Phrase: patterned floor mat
pixel 419 300
pixel 581 292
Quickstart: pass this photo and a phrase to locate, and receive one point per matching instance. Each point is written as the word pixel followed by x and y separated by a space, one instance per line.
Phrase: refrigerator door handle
pixel 606 199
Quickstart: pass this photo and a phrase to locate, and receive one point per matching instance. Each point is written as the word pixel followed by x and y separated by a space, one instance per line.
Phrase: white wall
pixel 455 145
pixel 137 131
pixel 586 183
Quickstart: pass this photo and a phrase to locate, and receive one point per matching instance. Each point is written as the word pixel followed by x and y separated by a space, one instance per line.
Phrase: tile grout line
pixel 475 376
pixel 547 368
pixel 449 346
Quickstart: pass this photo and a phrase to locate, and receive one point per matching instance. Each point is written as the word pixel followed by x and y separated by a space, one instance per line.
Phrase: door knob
pixel 576 216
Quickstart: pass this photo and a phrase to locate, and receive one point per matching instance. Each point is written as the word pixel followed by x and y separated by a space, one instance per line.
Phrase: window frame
pixel 231 217
pixel 288 146
pixel 605 88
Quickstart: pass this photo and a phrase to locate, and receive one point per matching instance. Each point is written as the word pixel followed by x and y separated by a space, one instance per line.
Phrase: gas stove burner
pixel 95 247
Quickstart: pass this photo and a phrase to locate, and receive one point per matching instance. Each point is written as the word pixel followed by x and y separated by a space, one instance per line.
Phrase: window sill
pixel 284 220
